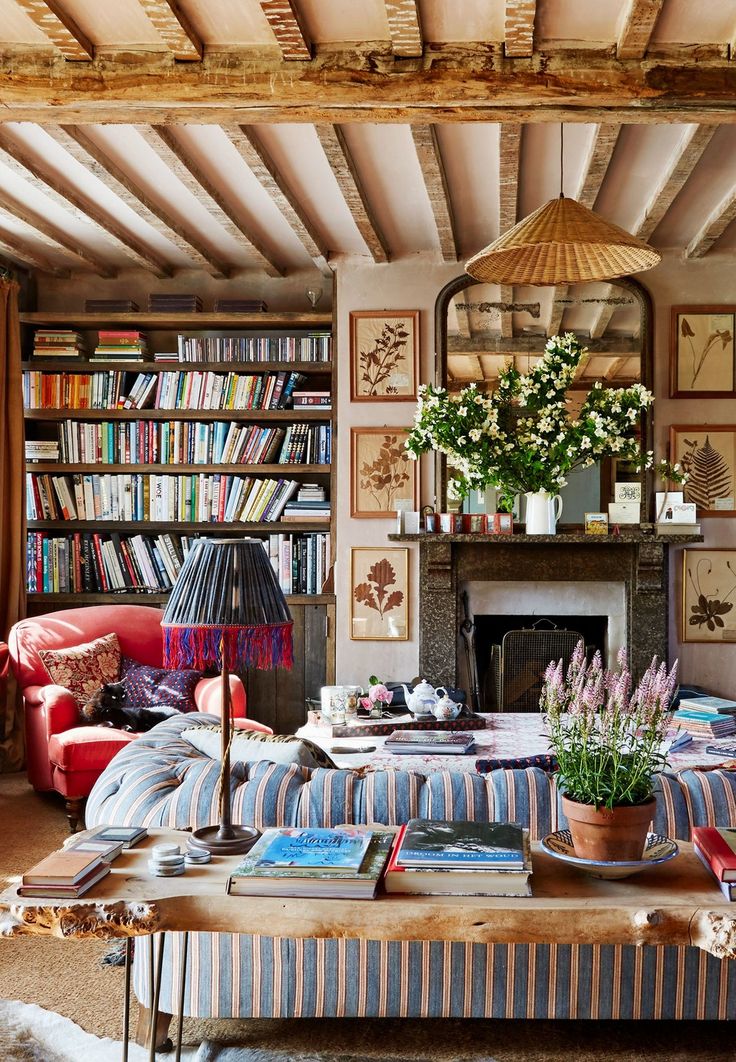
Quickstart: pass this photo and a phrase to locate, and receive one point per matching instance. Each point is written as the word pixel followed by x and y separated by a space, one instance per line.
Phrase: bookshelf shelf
pixel 314 368
pixel 181 322
pixel 144 598
pixel 245 415
pixel 100 468
pixel 181 527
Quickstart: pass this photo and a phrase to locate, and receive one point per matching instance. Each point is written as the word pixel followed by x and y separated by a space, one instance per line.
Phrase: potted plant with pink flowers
pixel 609 743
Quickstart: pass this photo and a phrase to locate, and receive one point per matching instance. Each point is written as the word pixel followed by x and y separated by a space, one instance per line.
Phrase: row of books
pixel 200 498
pixel 301 561
pixel 87 562
pixel 312 346
pixel 427 856
pixel 72 871
pixel 178 442
pixel 57 343
pixel 709 717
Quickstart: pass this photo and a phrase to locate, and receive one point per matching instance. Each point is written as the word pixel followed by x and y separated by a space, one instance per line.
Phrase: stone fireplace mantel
pixel 638 558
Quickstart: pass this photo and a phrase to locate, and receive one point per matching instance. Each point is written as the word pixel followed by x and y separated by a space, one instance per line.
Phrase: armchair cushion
pixel 87 748
pixel 156 687
pixel 82 669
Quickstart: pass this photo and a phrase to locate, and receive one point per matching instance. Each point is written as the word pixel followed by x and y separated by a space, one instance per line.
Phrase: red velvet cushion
pixel 87 748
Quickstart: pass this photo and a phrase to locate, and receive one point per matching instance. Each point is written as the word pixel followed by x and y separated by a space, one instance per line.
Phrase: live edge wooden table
pixel 674 903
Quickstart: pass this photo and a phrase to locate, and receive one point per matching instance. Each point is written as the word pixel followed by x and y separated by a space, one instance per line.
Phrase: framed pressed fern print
pixel 383 478
pixel 709 595
pixel 379 594
pixel 707 452
pixel 702 352
pixel 384 355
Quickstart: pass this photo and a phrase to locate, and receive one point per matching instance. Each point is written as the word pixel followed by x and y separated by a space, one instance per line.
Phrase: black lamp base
pixel 208 839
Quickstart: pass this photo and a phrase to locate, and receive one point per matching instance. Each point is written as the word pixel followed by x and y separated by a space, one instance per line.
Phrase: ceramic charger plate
pixel 658 849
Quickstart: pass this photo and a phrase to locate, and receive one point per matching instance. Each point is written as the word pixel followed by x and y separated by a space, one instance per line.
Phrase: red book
pixel 718 845
pixel 392 864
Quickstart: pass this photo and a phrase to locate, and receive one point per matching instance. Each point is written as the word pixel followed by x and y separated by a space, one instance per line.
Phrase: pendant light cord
pixel 562 160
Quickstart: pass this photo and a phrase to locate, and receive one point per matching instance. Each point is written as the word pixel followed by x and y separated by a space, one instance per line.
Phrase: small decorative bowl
pixel 658 849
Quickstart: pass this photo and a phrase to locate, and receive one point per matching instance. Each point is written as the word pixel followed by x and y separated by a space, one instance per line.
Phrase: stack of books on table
pixel 438 858
pixel 344 863
pixel 57 343
pixel 67 874
pixel 430 742
pixel 161 303
pixel 706 716
pixel 715 846
pixel 125 345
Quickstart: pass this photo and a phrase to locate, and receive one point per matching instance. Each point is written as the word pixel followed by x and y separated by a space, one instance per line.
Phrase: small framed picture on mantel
pixel 702 352
pixel 384 355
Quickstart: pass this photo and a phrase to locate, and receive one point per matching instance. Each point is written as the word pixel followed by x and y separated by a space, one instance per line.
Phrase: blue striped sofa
pixel 161 780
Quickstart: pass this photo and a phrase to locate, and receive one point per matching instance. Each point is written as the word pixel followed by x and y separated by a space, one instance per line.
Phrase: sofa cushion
pixel 250 745
pixel 83 669
pixel 158 687
pixel 87 748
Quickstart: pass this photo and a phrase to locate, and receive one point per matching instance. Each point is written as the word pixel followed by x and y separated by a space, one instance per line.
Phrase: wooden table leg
pixel 182 989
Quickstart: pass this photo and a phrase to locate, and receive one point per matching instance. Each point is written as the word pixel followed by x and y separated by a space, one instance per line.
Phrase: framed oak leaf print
pixel 379 594
pixel 384 355
pixel 383 476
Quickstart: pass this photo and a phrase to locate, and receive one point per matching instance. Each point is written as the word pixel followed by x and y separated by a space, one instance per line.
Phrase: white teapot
pixel 446 708
pixel 421 702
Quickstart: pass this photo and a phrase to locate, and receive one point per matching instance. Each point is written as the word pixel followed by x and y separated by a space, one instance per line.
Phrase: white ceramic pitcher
pixel 543 510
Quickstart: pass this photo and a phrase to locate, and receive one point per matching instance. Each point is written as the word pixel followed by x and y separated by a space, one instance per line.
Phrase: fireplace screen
pixel 518 665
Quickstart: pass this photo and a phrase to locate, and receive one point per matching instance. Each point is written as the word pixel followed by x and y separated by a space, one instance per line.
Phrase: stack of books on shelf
pixel 42 450
pixel 439 858
pixel 117 345
pixel 110 306
pixel 312 400
pixel 163 303
pixel 90 563
pixel 716 848
pixel 706 716
pixel 307 444
pixel 309 504
pixel 212 390
pixel 57 343
pixel 344 863
pixel 240 306
pixel 430 742
pixel 66 874
pixel 314 346
pixel 301 561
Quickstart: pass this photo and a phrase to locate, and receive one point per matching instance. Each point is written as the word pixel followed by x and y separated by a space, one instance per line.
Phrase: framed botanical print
pixel 709 595
pixel 702 352
pixel 383 478
pixel 707 452
pixel 384 355
pixel 379 594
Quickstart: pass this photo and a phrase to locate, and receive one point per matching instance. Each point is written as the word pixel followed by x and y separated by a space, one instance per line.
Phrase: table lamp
pixel 227 612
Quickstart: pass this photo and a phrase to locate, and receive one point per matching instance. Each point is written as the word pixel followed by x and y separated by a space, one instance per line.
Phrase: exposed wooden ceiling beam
pixel 52 236
pixel 288 28
pixel 363 84
pixel 493 343
pixel 614 368
pixel 684 160
pixel 602 316
pixel 265 170
pixel 435 181
pixel 24 166
pixel 341 162
pixel 174 28
pixel 463 320
pixel 59 28
pixel 519 27
pixel 637 29
pixel 509 147
pixel 404 28
pixel 188 171
pixel 94 158
pixel 20 252
pixel 714 227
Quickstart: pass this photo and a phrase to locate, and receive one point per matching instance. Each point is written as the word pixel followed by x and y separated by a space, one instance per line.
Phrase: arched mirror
pixel 480 327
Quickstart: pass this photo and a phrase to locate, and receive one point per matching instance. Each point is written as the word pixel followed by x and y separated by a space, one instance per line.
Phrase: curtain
pixel 12 515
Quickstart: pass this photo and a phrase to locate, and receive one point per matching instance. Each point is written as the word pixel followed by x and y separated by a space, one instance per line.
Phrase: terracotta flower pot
pixel 608 835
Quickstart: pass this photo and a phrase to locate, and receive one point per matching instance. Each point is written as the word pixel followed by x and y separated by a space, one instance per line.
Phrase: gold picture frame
pixel 702 352
pixel 707 452
pixel 379 594
pixel 381 473
pixel 384 355
pixel 708 596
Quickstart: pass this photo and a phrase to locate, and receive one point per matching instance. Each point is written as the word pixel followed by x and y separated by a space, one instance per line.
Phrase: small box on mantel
pixel 627 512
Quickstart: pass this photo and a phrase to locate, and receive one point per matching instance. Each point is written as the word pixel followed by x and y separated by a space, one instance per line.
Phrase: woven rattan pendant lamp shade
pixel 561 243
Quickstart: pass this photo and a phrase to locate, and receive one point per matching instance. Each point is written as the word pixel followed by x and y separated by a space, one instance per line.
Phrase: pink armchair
pixel 62 755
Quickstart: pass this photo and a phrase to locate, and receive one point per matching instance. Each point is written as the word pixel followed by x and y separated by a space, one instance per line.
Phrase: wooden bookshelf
pixel 142 527
pixel 281 416
pixel 100 468
pixel 312 321
pixel 144 598
pixel 307 368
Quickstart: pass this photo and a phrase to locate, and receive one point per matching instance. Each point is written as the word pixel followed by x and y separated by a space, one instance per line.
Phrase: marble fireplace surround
pixel 637 560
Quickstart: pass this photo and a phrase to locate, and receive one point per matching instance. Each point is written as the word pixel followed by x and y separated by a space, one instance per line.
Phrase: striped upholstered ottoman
pixel 162 780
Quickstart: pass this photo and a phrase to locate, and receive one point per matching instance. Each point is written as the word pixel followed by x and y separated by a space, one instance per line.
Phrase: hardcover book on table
pixel 718 845
pixel 316 849
pixel 446 844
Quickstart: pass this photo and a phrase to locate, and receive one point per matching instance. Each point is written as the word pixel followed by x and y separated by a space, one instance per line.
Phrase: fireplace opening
pixel 506 674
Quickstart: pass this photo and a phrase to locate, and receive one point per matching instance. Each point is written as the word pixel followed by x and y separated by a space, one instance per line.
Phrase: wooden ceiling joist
pixel 602 316
pixel 493 343
pixel 683 162
pixel 170 151
pixel 94 158
pixel 509 148
pixel 404 28
pixel 341 162
pixel 265 170
pixel 614 369
pixel 25 166
pixel 519 27
pixel 20 252
pixel 288 28
pixel 714 227
pixel 174 28
pixel 435 181
pixel 638 26
pixel 61 30
pixel 52 236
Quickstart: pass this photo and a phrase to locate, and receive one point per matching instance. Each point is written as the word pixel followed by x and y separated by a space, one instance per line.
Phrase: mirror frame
pixel 646 310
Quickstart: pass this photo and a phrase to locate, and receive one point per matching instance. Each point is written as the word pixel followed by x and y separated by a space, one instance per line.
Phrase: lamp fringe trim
pixel 265 647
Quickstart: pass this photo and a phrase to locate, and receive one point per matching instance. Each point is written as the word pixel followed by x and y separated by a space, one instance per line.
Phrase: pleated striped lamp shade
pixel 227 610
pixel 561 243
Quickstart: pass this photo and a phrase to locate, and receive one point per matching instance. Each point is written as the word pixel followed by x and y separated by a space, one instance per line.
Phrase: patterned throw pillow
pixel 253 745
pixel 82 669
pixel 155 687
